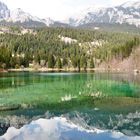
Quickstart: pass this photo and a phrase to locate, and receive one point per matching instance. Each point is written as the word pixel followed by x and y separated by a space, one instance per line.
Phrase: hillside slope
pixel 131 63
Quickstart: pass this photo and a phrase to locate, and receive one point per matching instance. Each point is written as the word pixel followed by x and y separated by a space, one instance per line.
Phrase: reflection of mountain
pixel 59 129
pixel 105 114
pixel 36 93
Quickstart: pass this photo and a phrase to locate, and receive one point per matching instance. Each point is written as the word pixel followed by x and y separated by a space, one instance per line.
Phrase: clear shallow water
pixel 102 101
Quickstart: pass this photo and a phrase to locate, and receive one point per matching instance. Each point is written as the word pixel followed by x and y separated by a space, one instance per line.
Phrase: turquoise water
pixel 102 100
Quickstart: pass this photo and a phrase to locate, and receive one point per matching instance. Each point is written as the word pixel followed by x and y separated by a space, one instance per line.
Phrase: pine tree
pixel 92 65
pixel 51 61
pixel 59 63
pixel 83 62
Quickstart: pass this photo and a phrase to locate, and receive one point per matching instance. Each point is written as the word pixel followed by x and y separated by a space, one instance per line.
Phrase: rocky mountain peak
pixel 4 11
pixel 131 4
pixel 127 13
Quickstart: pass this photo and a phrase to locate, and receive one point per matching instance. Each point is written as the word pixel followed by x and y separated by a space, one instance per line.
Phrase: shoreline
pixel 135 71
pixel 3 71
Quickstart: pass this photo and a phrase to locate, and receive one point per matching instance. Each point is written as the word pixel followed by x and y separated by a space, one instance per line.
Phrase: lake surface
pixel 94 105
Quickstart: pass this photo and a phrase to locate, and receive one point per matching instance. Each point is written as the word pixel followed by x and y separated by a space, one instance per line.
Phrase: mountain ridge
pixel 19 16
pixel 126 13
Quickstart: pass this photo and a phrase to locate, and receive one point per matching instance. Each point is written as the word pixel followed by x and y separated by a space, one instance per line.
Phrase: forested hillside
pixel 64 48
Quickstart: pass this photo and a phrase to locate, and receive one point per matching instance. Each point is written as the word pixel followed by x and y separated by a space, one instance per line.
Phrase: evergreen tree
pixel 83 62
pixel 65 61
pixel 38 47
pixel 51 61
pixel 92 65
pixel 59 63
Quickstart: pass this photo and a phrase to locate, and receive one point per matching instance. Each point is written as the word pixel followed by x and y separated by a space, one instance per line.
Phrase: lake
pixel 59 106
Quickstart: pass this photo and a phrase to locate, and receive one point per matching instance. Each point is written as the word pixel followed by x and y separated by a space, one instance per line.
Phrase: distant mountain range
pixel 127 13
pixel 18 16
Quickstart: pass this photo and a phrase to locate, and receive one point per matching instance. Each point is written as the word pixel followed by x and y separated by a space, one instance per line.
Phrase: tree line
pixel 46 49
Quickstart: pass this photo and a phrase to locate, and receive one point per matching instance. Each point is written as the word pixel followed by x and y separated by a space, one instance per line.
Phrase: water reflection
pixel 105 101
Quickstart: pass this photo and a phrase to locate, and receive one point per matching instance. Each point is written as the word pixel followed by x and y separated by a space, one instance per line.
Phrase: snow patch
pixel 131 4
pixel 126 13
pixel 18 15
pixel 67 39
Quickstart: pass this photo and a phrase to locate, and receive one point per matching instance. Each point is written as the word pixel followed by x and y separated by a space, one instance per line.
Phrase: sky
pixel 57 9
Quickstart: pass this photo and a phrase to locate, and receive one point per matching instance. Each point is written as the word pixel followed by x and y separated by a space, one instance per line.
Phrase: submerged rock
pixel 9 107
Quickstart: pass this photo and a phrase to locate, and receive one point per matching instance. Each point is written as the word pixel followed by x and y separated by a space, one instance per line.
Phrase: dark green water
pixel 102 100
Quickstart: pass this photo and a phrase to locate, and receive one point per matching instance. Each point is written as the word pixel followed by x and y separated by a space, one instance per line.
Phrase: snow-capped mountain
pixel 128 12
pixel 18 15
pixel 47 21
pixel 131 4
pixel 4 11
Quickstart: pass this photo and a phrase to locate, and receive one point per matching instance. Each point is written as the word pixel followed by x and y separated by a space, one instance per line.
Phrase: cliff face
pixel 129 64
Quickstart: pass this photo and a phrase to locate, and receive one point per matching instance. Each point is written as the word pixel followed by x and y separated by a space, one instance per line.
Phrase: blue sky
pixel 57 9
